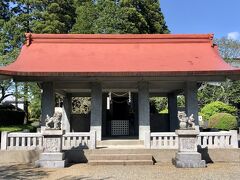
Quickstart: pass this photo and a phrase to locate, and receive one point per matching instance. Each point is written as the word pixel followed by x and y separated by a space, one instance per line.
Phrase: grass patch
pixel 17 128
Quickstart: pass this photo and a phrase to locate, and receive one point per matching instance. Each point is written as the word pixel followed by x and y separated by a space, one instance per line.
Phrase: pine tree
pixel 151 12
pixel 37 16
pixel 119 16
pixel 86 15
pixel 52 16
pixel 112 19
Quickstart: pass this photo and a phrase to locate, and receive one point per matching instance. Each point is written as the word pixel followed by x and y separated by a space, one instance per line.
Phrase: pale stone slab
pixel 52 156
pixel 187 132
pixel 52 132
pixel 52 144
pixel 187 144
pixel 52 141
pixel 186 156
pixel 51 164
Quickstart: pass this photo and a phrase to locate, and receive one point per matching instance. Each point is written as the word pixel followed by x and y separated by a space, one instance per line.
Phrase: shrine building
pixel 120 73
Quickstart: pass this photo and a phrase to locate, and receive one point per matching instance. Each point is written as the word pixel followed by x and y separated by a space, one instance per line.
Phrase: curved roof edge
pixel 139 54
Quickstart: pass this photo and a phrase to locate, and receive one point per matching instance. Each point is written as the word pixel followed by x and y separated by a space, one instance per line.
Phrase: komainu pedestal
pixel 187 155
pixel 52 156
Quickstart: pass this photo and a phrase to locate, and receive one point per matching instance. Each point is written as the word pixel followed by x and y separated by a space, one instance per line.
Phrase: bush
pixel 217 107
pixel 10 115
pixel 223 121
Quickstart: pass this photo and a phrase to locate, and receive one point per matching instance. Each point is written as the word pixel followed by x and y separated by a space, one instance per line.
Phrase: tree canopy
pixel 69 16
pixel 122 16
pixel 20 16
pixel 227 91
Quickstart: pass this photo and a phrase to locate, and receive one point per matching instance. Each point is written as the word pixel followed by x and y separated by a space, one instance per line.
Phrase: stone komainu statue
pixel 186 122
pixel 54 122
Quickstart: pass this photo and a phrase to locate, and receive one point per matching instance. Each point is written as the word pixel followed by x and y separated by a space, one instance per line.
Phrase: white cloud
pixel 233 35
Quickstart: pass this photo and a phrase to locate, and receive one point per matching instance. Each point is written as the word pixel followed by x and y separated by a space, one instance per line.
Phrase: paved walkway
pixel 218 171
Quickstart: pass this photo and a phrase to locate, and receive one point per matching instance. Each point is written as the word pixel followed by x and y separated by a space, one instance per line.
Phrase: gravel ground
pixel 216 171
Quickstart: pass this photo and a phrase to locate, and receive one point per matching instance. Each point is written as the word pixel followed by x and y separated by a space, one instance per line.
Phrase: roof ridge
pixel 104 38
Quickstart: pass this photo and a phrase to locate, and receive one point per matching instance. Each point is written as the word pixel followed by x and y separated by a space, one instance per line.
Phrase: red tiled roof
pixel 99 54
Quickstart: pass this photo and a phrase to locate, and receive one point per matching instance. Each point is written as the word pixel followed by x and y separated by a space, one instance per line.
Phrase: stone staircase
pixel 120 152
pixel 120 159
pixel 120 144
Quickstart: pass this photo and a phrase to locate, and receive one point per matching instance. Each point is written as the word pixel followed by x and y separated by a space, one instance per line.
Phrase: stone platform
pixel 51 160
pixel 187 155
pixel 120 159
pixel 52 156
pixel 189 160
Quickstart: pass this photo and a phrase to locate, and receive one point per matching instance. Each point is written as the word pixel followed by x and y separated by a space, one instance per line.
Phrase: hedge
pixel 223 121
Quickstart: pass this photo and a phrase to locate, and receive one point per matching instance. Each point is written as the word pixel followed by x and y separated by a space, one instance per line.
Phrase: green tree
pixel 227 91
pixel 6 52
pixel 150 17
pixel 86 14
pixel 46 16
pixel 122 16
pixel 228 48
pixel 111 19
pixel 52 16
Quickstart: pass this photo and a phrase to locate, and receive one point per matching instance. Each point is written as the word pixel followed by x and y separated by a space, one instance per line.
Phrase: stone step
pixel 120 157
pixel 121 147
pixel 120 162
pixel 118 151
pixel 130 142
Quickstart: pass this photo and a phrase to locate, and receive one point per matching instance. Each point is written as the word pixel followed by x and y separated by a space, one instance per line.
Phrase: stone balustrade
pixel 164 140
pixel 224 139
pixel 31 141
pixel 212 140
pixel 21 141
pixel 75 140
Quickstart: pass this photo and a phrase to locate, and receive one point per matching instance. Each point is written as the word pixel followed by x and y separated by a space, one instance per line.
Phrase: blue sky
pixel 221 17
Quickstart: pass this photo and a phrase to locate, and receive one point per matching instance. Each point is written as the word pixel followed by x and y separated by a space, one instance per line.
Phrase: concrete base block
pixel 50 164
pixel 52 156
pixel 51 160
pixel 189 160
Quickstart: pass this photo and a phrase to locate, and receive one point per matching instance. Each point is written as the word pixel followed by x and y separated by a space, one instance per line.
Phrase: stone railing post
pixel 234 139
pixel 92 140
pixel 147 141
pixel 4 140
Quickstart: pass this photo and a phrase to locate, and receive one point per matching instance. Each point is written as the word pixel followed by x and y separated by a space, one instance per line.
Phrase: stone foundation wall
pixel 160 156
pixel 21 156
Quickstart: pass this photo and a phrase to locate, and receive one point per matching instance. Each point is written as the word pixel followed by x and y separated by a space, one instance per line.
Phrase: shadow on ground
pixel 20 171
pixel 82 177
